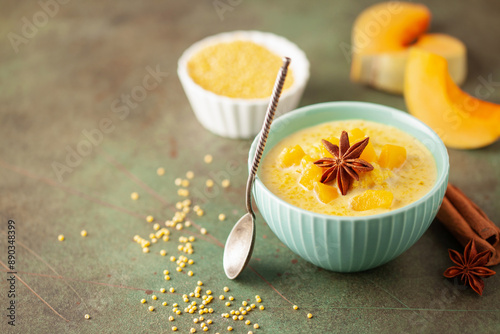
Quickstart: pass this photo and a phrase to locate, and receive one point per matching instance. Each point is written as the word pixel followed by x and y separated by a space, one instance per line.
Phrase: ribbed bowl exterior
pixel 242 118
pixel 348 245
pixel 234 118
pixel 351 244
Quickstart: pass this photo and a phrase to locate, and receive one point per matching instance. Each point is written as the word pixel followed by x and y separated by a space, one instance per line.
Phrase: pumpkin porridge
pixel 349 168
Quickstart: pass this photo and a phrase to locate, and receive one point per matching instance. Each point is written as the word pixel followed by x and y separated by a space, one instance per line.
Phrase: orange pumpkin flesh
pixel 462 121
pixel 387 27
pixel 381 38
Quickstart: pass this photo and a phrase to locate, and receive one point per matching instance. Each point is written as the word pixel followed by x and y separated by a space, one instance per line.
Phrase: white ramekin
pixel 242 118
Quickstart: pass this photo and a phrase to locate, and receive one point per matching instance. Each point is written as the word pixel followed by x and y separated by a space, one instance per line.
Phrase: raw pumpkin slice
pixel 381 37
pixel 462 121
pixel 386 27
pixel 385 71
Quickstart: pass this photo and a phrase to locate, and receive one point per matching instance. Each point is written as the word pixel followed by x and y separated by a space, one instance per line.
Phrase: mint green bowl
pixel 350 244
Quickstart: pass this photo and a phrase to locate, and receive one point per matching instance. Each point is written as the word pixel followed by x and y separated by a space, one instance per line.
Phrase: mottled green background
pixel 64 78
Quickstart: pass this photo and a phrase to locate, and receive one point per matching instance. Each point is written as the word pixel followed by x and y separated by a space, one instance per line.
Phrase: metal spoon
pixel 239 243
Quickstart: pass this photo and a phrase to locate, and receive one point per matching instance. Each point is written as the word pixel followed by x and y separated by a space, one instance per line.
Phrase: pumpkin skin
pixel 462 121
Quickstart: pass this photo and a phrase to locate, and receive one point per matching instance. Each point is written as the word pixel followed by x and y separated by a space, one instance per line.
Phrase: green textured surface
pixel 64 79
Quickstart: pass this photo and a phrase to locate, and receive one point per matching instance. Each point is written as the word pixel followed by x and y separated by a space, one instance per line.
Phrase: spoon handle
pixel 271 110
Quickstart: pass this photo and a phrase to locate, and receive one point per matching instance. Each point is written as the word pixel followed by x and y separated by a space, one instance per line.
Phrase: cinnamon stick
pixel 466 221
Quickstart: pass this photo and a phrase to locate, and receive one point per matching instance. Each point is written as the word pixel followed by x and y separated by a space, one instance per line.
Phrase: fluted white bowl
pixel 242 118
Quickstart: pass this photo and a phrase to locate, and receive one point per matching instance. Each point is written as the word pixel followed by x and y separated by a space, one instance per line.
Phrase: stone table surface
pixel 64 68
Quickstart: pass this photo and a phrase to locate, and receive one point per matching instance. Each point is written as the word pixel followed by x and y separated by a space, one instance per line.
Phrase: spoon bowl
pixel 239 246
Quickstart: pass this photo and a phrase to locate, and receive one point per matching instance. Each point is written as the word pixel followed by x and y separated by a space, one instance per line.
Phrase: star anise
pixel 345 162
pixel 470 266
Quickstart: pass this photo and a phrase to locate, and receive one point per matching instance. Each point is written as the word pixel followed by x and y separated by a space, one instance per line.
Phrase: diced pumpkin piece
pixel 372 199
pixel 325 193
pixel 310 174
pixel 356 134
pixel 306 161
pixel 392 156
pixel 462 121
pixel 368 153
pixel 290 156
